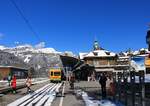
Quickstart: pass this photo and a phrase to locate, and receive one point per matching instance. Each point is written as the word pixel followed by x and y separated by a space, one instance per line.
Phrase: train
pixel 55 74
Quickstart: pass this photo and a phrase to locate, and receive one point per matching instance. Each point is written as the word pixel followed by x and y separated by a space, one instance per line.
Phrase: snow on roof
pixel 136 52
pixel 82 55
pixel 97 53
pixel 142 49
pixel 101 53
pixel 124 57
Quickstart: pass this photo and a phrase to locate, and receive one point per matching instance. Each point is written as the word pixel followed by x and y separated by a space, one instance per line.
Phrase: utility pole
pixel 148 38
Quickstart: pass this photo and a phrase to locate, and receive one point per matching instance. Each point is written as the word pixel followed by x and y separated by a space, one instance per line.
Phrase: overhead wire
pixel 26 20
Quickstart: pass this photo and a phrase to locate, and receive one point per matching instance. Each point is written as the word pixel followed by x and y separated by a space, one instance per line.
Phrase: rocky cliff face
pixel 8 59
pixel 28 57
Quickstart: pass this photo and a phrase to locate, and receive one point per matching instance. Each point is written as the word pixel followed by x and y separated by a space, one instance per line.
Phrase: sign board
pixel 147 62
pixel 138 63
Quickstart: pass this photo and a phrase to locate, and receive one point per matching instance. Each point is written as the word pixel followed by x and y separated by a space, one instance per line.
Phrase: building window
pixel 96 62
pixel 51 73
pixel 90 62
pixel 111 62
pixel 103 62
pixel 95 53
pixel 108 53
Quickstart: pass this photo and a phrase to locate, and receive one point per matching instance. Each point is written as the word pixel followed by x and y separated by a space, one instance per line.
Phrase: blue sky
pixel 72 25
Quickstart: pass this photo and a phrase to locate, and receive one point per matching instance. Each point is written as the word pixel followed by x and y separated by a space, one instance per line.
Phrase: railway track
pixel 41 97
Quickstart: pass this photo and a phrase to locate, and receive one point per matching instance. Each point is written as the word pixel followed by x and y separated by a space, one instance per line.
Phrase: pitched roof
pixel 97 53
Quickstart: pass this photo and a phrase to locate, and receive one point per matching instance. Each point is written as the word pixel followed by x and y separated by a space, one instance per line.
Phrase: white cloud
pixel 40 45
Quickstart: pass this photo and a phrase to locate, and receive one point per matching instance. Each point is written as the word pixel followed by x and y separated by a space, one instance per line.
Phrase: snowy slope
pixel 38 58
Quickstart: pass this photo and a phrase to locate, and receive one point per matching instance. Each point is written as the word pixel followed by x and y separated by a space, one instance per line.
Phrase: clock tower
pixel 96 45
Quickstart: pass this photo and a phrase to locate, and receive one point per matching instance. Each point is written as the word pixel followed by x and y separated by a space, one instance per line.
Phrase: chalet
pixel 100 59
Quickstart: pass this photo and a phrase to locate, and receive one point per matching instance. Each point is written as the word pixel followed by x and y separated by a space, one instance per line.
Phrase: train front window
pixel 51 73
pixel 57 73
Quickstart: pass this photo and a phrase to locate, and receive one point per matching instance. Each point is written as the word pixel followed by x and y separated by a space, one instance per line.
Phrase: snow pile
pixel 106 103
pixel 89 101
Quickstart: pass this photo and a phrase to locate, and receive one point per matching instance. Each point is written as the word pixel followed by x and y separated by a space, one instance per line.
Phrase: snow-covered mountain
pixel 36 57
pixel 28 48
pixel 28 56
pixel 8 59
pixel 25 52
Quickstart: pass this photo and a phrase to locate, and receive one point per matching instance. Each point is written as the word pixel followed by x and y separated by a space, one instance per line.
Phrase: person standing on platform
pixel 28 84
pixel 102 81
pixel 72 80
pixel 111 86
pixel 9 79
pixel 13 84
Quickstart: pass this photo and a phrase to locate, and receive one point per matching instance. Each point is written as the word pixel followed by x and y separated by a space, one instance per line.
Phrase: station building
pixel 20 73
pixel 100 60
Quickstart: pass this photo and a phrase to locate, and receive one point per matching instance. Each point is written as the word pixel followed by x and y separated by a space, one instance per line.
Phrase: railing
pixel 5 83
pixel 130 88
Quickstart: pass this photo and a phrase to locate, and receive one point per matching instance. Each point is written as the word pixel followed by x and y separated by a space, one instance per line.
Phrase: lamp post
pixel 125 78
pixel 130 58
pixel 148 39
pixel 132 78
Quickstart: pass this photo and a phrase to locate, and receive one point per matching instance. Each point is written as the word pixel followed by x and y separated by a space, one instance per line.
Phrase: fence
pixel 130 88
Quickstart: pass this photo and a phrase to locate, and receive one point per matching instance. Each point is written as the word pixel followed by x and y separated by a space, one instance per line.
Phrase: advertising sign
pixel 138 62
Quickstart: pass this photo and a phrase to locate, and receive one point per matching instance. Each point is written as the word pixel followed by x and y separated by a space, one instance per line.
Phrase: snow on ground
pixel 89 101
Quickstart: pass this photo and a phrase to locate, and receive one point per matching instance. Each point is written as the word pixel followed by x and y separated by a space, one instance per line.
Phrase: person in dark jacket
pixel 102 81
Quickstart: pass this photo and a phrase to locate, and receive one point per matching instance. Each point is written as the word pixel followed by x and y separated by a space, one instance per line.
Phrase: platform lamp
pixel 148 39
pixel 148 42
pixel 130 58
